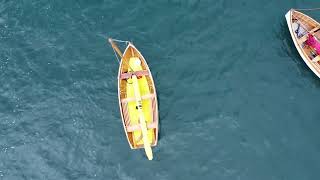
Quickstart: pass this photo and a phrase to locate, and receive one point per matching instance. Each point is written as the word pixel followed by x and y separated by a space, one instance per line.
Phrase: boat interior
pixel 125 71
pixel 302 26
pixel 148 97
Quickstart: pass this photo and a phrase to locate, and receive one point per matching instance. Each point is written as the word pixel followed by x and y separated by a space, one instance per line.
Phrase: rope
pixel 121 41
pixel 310 9
pixel 116 55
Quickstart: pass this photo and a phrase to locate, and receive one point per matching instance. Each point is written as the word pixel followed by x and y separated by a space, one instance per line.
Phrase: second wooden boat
pixel 305 33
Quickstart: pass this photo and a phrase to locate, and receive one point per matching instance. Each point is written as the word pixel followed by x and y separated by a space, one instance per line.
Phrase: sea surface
pixel 236 101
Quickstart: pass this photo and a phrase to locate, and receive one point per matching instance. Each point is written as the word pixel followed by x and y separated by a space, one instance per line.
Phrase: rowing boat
pixel 305 33
pixel 137 99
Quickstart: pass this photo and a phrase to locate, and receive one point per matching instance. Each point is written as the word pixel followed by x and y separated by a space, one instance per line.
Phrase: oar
pixel 115 47
pixel 143 124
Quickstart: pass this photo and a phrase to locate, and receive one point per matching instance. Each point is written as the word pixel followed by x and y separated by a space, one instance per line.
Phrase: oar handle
pixel 115 47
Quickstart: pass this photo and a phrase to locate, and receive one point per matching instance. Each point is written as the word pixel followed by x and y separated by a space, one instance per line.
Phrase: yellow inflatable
pixel 138 138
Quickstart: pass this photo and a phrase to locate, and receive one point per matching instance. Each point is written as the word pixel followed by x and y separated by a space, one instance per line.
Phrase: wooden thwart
pixel 137 127
pixel 147 96
pixel 303 38
pixel 316 59
pixel 137 73
pixel 312 31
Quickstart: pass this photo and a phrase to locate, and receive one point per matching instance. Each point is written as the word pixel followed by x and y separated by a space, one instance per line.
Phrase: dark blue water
pixel 236 101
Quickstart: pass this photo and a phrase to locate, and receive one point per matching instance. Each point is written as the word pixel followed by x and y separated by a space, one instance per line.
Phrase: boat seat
pixel 314 30
pixel 137 73
pixel 137 127
pixel 147 96
pixel 316 59
pixel 303 38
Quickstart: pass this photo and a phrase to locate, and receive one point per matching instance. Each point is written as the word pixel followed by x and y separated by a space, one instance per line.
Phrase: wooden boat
pixel 137 99
pixel 301 27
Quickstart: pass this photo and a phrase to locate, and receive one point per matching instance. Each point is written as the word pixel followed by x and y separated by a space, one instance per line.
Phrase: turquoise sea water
pixel 236 101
